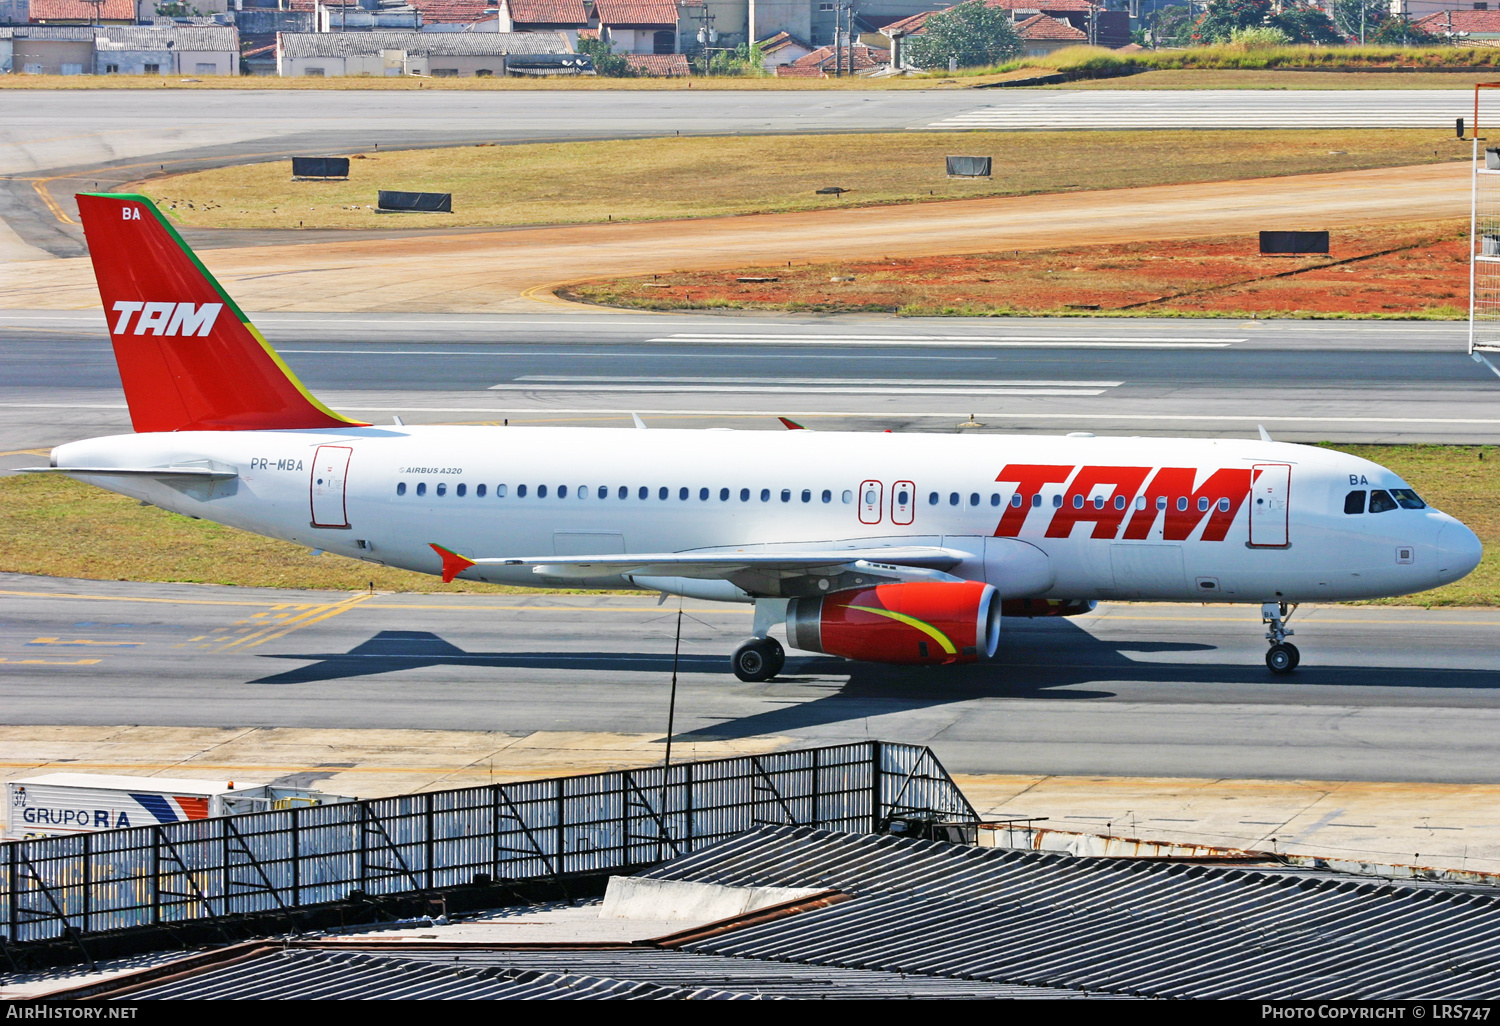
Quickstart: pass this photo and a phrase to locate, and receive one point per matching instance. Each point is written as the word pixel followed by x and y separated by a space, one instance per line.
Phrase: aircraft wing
pixel 724 564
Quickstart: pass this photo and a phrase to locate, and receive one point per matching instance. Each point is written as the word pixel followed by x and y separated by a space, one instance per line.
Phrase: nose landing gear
pixel 758 659
pixel 1283 656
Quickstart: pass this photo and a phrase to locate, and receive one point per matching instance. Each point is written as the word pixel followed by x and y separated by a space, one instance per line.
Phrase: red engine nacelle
pixel 918 622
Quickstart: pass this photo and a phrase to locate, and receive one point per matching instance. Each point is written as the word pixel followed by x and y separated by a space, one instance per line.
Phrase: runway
pixel 1302 380
pixel 56 143
pixel 1142 690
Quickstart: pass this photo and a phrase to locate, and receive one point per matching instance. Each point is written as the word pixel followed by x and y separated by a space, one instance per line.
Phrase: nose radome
pixel 1458 551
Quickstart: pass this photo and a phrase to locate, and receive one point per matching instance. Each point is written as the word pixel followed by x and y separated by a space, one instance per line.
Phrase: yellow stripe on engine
pixel 911 621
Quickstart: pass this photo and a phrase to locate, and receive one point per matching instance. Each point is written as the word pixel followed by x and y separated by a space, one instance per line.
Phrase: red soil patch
pixel 1391 271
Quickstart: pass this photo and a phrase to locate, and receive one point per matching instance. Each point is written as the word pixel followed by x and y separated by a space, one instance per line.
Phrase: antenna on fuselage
pixel 1265 436
pixel 638 421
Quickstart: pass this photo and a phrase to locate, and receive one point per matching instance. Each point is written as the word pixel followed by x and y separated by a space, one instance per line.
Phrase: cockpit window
pixel 1381 501
pixel 1354 502
pixel 1408 498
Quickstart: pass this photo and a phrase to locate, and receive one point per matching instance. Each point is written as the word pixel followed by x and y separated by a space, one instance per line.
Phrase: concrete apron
pixel 1442 826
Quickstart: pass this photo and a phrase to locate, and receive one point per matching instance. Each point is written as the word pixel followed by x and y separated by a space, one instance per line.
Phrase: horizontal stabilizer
pixel 198 473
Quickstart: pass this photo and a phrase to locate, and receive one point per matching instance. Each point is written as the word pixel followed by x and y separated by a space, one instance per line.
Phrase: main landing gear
pixel 1283 656
pixel 758 659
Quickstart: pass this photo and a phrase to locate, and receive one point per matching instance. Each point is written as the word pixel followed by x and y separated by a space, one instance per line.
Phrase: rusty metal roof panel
pixel 1105 925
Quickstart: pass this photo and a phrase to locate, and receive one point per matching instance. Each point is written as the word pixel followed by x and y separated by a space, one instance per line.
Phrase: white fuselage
pixel 384 493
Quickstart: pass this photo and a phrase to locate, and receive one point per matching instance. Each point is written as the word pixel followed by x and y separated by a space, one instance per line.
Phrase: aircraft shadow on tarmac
pixel 1045 660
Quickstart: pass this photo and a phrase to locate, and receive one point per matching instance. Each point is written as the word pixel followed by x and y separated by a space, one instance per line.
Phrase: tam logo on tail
pixel 194 362
pixel 167 318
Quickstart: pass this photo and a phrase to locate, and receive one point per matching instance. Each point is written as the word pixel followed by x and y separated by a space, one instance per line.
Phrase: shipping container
pixel 58 804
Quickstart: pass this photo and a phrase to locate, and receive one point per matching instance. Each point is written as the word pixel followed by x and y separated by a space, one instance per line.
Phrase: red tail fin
pixel 189 358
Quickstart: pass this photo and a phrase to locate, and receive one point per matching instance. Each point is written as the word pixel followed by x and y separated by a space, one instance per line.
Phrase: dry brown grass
pixel 1213 78
pixel 655 179
pixel 1413 270
pixel 63 528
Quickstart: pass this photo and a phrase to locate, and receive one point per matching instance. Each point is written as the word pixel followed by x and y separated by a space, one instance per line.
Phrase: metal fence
pixel 269 861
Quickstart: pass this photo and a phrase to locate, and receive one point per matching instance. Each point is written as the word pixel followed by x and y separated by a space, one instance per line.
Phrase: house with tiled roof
pixel 1100 26
pixel 659 65
pixel 570 17
pixel 783 48
pixel 1041 34
pixel 825 62
pixel 1090 21
pixel 1461 25
pixel 76 12
pixel 638 26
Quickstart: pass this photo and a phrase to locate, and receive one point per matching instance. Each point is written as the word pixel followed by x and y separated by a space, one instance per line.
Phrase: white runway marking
pixel 800 390
pixel 946 341
pixel 813 382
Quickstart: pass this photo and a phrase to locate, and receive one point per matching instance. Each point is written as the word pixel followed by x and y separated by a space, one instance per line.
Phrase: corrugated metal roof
pixel 182 37
pixel 763 977
pixel 314 975
pixel 486 973
pixel 1109 925
pixel 436 44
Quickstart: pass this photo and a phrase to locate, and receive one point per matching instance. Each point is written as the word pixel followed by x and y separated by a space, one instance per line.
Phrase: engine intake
pixel 914 622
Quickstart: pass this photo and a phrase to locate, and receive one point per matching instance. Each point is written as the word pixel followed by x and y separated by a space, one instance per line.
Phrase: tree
pixel 1171 26
pixel 606 62
pixel 1223 17
pixel 748 59
pixel 1346 17
pixel 1301 22
pixel 1397 31
pixel 971 33
pixel 1304 23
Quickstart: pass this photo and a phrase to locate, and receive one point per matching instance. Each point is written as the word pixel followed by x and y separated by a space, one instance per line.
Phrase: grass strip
pixel 694 177
pixel 58 527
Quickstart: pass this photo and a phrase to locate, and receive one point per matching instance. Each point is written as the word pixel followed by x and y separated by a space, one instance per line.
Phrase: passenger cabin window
pixel 520 491
pixel 479 491
pixel 828 496
pixel 421 487
pixel 1381 501
pixel 932 499
pixel 401 488
pixel 442 488
pixel 1354 502
pixel 848 496
pixel 461 490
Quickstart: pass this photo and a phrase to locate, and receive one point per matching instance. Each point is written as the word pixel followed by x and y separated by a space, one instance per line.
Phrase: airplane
pixel 894 548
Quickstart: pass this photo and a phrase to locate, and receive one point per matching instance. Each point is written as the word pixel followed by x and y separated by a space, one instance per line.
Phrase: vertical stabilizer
pixel 189 358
